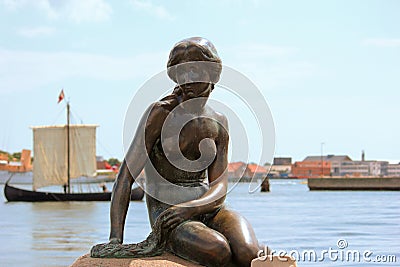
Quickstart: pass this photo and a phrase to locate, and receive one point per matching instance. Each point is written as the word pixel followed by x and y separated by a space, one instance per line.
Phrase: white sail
pixel 50 154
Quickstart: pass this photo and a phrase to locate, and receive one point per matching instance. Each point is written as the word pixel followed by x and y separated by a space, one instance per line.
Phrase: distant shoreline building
pixel 335 161
pixel 393 170
pixel 281 167
pixel 245 172
pixel 343 166
pixel 311 169
pixel 23 165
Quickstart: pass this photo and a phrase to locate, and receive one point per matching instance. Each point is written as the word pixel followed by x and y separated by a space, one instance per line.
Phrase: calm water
pixel 288 218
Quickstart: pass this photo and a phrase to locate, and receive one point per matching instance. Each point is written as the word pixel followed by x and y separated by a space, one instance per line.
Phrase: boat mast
pixel 68 152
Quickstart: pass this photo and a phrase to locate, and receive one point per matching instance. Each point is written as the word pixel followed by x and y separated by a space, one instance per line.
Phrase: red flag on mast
pixel 61 96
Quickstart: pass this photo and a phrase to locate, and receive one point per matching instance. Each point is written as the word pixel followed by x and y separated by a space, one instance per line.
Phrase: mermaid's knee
pixel 196 242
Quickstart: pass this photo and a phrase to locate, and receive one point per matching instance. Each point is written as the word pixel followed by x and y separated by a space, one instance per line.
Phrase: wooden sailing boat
pixel 63 153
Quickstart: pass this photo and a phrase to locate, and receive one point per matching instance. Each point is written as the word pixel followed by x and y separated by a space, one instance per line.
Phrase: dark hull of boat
pixel 16 194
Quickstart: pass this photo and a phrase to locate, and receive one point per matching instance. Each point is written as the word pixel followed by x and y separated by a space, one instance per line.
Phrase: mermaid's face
pixel 194 80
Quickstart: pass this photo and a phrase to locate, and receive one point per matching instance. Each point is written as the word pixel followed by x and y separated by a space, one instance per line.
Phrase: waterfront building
pixel 236 170
pixel 282 161
pixel 357 168
pixel 24 165
pixel 335 161
pixel 393 170
pixel 344 166
pixel 245 172
pixel 281 167
pixel 354 168
pixel 311 169
pixel 257 171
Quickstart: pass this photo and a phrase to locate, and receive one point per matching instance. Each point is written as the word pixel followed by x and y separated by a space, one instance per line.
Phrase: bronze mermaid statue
pixel 185 205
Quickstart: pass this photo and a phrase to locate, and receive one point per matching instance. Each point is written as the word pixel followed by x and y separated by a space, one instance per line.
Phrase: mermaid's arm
pixel 135 159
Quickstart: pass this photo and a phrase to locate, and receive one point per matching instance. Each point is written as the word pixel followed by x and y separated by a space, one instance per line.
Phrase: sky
pixel 329 70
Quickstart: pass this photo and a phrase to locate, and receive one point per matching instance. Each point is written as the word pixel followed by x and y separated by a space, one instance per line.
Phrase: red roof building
pixel 239 170
pixel 311 169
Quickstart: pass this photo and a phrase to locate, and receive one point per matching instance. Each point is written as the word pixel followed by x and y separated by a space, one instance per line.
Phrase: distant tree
pixel 113 161
pixel 16 155
pixel 267 164
pixel 7 154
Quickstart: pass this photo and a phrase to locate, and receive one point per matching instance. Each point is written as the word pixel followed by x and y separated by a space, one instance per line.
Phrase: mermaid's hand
pixel 175 215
